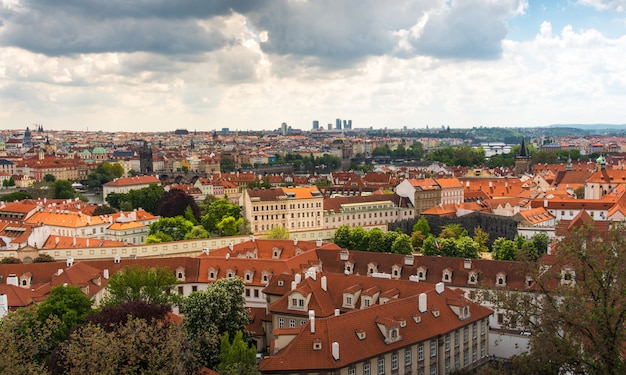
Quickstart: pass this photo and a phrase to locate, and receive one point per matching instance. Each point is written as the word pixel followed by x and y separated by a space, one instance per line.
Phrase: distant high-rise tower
pixel 316 124
pixel 338 124
pixel 348 125
pixel 283 128
pixel 330 126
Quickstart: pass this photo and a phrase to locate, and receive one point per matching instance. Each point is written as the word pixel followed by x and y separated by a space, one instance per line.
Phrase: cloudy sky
pixel 159 65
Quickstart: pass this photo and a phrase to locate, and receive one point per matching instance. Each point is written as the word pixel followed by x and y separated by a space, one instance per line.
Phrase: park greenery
pixel 105 172
pixel 132 333
pixel 374 240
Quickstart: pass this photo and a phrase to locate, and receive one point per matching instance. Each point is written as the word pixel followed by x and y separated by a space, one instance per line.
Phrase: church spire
pixel 524 150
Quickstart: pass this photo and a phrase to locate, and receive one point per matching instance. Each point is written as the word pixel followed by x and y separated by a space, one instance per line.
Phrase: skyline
pixel 121 66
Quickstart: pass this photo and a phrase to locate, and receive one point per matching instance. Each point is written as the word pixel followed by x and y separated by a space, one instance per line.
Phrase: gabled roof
pixel 300 355
pixel 132 181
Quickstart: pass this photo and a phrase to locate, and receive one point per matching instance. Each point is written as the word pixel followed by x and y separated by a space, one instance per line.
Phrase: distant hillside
pixel 594 128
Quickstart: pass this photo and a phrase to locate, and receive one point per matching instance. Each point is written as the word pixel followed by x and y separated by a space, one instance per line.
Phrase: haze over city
pixel 162 65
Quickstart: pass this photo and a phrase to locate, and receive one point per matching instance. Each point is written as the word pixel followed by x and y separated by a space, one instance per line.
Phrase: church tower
pixel 145 159
pixel 523 161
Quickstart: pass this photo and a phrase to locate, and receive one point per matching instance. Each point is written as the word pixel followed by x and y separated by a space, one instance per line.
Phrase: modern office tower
pixel 283 128
pixel 330 126
pixel 338 124
pixel 348 125
pixel 316 124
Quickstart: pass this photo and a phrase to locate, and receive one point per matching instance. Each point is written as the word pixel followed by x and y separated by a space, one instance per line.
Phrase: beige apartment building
pixel 298 208
pixel 366 210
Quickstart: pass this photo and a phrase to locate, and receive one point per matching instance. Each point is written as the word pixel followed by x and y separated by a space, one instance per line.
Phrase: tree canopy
pixel 212 313
pixel 133 283
pixel 576 315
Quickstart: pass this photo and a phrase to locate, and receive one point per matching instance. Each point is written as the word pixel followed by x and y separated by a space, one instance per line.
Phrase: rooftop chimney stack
pixel 324 283
pixel 439 287
pixel 422 303
pixel 335 346
pixel 312 319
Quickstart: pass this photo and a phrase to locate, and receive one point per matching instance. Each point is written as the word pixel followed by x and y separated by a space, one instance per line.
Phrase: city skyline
pixel 125 66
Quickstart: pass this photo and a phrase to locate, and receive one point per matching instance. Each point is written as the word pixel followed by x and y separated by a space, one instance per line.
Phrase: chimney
pixel 324 283
pixel 335 346
pixel 117 259
pixel 74 241
pixel 545 203
pixel 298 278
pixel 337 312
pixel 59 271
pixel 439 287
pixel 87 242
pixel 408 260
pixel 4 305
pixel 56 241
pixel 293 285
pixel 227 256
pixel 344 255
pixel 467 264
pixel 105 273
pixel 318 242
pixel 205 250
pixel 231 246
pixel 69 262
pixel 422 303
pixel 312 319
pixel 252 237
pixel 295 241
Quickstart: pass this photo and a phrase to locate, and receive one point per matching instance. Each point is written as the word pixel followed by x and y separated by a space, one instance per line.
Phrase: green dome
pixel 99 151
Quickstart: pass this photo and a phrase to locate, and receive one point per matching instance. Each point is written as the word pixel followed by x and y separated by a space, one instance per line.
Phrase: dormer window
pixel 248 276
pixel 529 281
pixel 396 270
pixel 230 273
pixel 421 273
pixel 568 276
pixel 265 276
pixel 372 268
pixel 447 275
pixel 472 278
pixel 180 273
pixel 501 279
pixel 348 268
pixel 213 273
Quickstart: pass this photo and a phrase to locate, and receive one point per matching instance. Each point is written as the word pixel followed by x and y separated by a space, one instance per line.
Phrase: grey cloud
pixel 336 33
pixel 466 30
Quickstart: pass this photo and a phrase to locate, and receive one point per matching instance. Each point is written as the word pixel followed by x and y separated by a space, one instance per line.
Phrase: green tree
pixel 26 341
pixel 212 313
pixel 389 238
pixel 10 260
pixel 376 241
pixel 503 249
pixel 137 346
pixel 448 247
pixel 62 189
pixel 341 237
pixel 579 192
pixel 467 248
pixel 481 237
pixel 9 182
pixel 422 226
pixel 49 178
pixel 429 247
pixel 197 231
pixel 160 237
pixel 43 258
pixel 217 211
pixel 402 245
pixel 229 226
pixel 227 165
pixel 15 196
pixel 359 239
pixel 417 239
pixel 103 209
pixel 175 227
pixel 577 309
pixel 68 304
pixel 278 233
pixel 105 172
pixel 133 283
pixel 237 358
pixel 541 241
pixel 453 231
